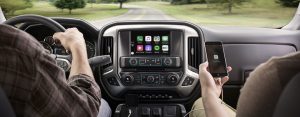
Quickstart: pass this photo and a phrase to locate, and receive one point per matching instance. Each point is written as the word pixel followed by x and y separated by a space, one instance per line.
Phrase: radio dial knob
pixel 133 62
pixel 168 61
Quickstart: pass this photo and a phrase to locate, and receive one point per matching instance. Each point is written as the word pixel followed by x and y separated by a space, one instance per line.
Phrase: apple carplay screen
pixel 150 43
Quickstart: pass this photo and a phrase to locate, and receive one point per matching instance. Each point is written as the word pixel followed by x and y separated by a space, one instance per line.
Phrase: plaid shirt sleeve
pixel 36 86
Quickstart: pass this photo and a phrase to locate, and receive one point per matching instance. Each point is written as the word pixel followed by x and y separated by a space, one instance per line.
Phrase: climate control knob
pixel 172 79
pixel 127 80
pixel 150 79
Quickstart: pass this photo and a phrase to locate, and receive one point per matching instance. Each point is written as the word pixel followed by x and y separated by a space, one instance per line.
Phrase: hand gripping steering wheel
pixel 62 61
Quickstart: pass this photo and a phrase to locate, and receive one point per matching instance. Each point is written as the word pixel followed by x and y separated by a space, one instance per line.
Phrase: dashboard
pixel 158 60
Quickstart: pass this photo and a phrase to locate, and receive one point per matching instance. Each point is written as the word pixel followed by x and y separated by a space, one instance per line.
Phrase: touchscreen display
pixel 150 43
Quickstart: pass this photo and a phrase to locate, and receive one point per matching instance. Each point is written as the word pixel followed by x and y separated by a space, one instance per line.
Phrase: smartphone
pixel 216 59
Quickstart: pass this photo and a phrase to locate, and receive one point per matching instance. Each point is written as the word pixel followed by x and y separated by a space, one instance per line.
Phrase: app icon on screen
pixel 165 38
pixel 139 38
pixel 156 47
pixel 148 47
pixel 156 38
pixel 139 48
pixel 148 39
pixel 165 47
pixel 216 57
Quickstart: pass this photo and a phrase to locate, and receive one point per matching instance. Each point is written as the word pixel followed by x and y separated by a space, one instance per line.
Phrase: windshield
pixel 249 13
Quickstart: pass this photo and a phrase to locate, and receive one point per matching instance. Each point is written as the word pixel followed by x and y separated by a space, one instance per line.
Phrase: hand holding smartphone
pixel 216 59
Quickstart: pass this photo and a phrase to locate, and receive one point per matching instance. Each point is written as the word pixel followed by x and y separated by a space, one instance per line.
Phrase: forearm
pixel 213 106
pixel 80 64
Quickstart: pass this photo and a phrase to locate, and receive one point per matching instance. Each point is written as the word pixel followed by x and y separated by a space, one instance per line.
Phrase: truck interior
pixel 162 80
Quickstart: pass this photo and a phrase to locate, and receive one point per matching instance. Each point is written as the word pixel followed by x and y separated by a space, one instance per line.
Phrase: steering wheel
pixel 62 61
pixel 36 19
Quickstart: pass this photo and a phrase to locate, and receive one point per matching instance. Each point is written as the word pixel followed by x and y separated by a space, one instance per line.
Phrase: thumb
pixel 203 66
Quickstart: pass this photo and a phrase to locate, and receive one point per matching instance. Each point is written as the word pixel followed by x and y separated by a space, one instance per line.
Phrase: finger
pixel 218 81
pixel 57 35
pixel 224 80
pixel 72 29
pixel 229 69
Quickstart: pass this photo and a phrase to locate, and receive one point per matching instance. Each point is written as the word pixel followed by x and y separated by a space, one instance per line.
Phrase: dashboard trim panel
pixel 190 30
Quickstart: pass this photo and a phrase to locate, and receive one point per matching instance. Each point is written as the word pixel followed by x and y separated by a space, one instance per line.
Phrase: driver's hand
pixel 70 39
pixel 210 84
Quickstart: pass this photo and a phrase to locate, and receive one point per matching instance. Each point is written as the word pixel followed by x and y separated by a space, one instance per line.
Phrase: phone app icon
pixel 148 38
pixel 156 47
pixel 165 47
pixel 216 57
pixel 148 48
pixel 139 38
pixel 165 38
pixel 156 38
pixel 140 48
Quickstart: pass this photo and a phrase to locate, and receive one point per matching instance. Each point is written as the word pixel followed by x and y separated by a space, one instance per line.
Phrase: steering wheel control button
pixel 172 79
pixel 188 81
pixel 127 80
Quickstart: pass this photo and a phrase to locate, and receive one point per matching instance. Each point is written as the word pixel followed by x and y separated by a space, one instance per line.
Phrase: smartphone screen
pixel 216 59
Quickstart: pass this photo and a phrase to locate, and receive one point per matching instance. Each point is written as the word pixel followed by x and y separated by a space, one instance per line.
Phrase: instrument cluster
pixel 50 45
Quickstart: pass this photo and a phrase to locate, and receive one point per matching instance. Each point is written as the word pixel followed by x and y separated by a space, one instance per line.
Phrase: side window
pixel 2 17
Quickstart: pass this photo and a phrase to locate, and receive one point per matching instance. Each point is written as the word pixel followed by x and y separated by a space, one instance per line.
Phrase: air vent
pixel 194 52
pixel 107 48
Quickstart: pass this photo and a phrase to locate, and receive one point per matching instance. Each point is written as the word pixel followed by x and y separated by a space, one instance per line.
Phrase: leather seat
pixel 289 101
